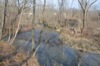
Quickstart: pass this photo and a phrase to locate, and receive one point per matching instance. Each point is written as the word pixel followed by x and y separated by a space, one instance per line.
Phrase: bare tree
pixel 4 18
pixel 19 6
pixel 62 8
pixel 18 26
pixel 43 12
pixel 14 16
pixel 85 6
pixel 61 4
pixel 34 8
pixel 72 8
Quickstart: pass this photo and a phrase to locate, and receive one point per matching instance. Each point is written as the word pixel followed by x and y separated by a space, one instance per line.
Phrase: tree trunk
pixel 43 12
pixel 85 7
pixel 18 27
pixel 4 19
pixel 83 22
pixel 34 5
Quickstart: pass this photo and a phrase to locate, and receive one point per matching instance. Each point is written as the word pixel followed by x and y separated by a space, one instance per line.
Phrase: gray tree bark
pixel 4 19
pixel 34 8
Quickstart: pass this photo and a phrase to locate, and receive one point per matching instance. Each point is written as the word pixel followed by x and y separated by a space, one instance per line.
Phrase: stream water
pixel 53 53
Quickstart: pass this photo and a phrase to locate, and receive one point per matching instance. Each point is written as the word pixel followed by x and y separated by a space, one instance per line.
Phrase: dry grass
pixel 6 49
pixel 80 43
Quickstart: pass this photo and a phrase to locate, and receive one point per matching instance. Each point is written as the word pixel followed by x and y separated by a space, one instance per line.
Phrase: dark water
pixel 53 53
pixel 90 59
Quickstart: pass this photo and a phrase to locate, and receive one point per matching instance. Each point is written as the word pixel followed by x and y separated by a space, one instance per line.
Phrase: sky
pixel 75 3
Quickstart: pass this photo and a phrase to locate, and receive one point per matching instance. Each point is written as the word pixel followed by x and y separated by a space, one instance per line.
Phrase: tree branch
pixel 92 3
pixel 81 5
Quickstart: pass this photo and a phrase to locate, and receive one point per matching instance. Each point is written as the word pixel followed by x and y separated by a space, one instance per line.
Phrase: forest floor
pixel 9 56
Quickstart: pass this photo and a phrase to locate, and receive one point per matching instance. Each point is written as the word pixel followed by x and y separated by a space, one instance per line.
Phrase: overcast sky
pixel 75 3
